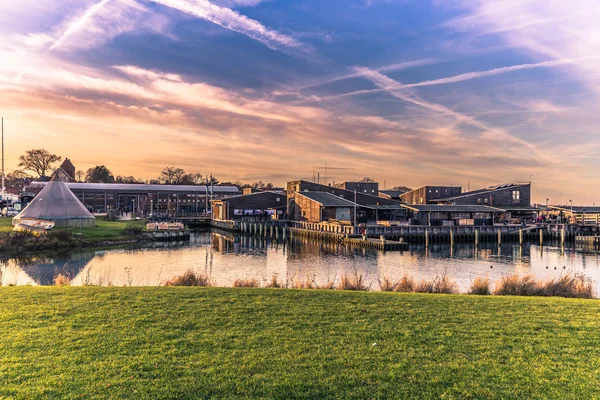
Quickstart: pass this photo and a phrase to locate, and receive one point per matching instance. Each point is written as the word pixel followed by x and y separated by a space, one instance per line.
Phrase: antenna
pixel 3 187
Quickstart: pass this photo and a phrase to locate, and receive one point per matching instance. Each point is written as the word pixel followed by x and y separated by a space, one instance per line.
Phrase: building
pixel 58 204
pixel 451 215
pixel 148 199
pixel 427 194
pixel 515 198
pixel 249 190
pixel 322 207
pixel 391 194
pixel 260 205
pixel 69 170
pixel 366 187
pixel 580 215
pixel 370 208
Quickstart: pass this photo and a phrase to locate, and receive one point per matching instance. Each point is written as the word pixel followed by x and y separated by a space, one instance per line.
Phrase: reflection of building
pixel 426 194
pixel 451 215
pixel 259 205
pixel 101 197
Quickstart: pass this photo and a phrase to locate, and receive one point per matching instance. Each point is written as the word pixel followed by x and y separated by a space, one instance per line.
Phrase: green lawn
pixel 272 343
pixel 102 230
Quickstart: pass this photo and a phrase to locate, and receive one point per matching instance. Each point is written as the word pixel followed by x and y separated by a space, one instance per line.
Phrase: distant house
pixel 68 169
pixel 451 215
pixel 263 205
pixel 427 194
pixel 366 187
pixel 62 175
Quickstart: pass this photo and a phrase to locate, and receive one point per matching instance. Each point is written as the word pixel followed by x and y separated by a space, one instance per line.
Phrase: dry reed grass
pixel 480 286
pixel 190 278
pixel 246 283
pixel 355 282
pixel 62 280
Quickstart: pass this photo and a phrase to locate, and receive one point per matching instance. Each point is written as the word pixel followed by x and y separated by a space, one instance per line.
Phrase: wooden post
pixel 562 237
pixel 284 233
pixel 426 237
pixel 521 236
pixel 499 237
pixel 451 237
pixel 541 237
pixel 476 237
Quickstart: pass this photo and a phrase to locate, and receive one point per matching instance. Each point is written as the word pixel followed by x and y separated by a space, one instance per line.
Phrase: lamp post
pixel 377 214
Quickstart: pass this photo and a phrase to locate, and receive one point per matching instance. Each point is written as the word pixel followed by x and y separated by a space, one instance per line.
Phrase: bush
pixel 387 285
pixel 578 286
pixel 440 284
pixel 424 286
pixel 514 285
pixel 246 283
pixel 133 230
pixel 190 278
pixel 480 286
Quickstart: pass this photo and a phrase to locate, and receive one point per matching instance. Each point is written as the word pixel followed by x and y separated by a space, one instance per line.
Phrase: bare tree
pixel 38 161
pixel 172 175
pixel 79 175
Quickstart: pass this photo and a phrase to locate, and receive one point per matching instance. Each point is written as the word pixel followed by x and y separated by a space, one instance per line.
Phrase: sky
pixel 471 93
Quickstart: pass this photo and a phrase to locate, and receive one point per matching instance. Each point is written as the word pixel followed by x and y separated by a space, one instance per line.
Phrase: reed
pixel 62 280
pixel 190 278
pixel 355 282
pixel 246 283
pixel 406 284
pixel 515 285
pixel 387 285
pixel 570 285
pixel 480 286
pixel 274 283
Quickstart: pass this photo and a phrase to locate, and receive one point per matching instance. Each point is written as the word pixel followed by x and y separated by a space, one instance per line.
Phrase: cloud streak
pixel 234 21
pixel 80 23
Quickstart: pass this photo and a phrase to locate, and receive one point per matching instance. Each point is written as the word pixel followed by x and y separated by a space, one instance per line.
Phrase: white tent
pixel 58 204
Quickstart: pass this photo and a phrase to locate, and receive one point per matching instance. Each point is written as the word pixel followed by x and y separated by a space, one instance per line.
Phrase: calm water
pixel 227 258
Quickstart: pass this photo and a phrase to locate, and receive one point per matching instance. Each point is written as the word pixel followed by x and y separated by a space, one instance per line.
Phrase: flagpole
pixel 3 187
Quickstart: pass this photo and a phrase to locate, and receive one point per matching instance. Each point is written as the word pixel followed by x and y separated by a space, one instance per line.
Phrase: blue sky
pixel 407 92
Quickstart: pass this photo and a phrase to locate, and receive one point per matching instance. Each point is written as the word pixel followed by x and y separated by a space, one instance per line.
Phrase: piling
pixel 499 237
pixel 476 237
pixel 541 237
pixel 451 237
pixel 426 237
pixel 521 236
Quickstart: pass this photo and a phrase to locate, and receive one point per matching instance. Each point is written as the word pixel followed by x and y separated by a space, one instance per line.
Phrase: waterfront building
pixel 259 205
pixel 370 208
pixel 148 199
pixel 364 186
pixel 391 194
pixel 427 194
pixel 451 215
pixel 322 207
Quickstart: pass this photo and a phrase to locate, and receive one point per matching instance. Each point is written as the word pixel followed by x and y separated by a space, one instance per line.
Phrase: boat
pixel 36 226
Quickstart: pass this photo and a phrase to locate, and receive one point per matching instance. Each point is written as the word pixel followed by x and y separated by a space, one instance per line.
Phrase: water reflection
pixel 226 257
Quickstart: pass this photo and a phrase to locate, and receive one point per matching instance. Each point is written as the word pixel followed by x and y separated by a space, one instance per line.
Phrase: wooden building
pixel 391 194
pixel 451 215
pixel 366 187
pixel 427 194
pixel 370 208
pixel 322 206
pixel 579 215
pixel 261 205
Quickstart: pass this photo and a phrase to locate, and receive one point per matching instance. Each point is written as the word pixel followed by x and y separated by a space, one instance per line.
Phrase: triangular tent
pixel 58 204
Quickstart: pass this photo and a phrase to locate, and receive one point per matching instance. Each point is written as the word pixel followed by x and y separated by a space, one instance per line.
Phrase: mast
pixel 3 187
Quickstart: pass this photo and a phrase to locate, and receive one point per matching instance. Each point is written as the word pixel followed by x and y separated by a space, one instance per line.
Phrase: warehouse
pixel 451 215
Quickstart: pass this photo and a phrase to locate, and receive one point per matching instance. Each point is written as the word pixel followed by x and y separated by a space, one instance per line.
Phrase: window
pixel 516 196
pixel 278 199
pixel 479 200
pixel 485 200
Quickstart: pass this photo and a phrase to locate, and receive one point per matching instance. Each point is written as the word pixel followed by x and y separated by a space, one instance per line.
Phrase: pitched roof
pixel 451 208
pixel 327 199
pixel 490 189
pixel 124 187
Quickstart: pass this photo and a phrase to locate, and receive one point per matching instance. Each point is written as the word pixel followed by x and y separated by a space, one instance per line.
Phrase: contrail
pixel 73 28
pixel 80 23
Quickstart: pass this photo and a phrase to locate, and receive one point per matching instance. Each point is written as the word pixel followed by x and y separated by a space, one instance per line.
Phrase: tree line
pixel 41 164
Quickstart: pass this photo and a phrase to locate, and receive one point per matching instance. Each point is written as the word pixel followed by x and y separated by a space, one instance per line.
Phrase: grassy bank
pixel 104 233
pixel 271 343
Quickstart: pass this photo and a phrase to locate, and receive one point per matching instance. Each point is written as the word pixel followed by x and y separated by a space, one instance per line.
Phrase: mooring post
pixel 426 237
pixel 499 236
pixel 562 237
pixel 451 237
pixel 521 236
pixel 476 237
pixel 541 237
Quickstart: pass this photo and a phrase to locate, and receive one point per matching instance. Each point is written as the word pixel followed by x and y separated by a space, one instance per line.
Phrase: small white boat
pixel 37 223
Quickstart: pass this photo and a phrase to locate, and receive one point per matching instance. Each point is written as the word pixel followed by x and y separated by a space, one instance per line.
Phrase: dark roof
pixel 577 209
pixel 450 208
pixel 263 193
pixel 486 190
pixel 384 207
pixel 142 187
pixel 327 199
pixel 520 208
pixel 392 193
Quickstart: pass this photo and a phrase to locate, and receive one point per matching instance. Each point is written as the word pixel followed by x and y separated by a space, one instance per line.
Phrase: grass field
pixel 270 343
pixel 104 230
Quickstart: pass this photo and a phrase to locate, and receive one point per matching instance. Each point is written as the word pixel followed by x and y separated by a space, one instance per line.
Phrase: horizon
pixel 462 93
